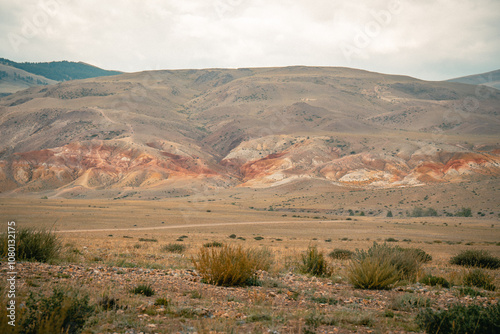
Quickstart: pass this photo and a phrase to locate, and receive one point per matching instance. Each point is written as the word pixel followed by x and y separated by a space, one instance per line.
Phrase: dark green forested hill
pixel 61 70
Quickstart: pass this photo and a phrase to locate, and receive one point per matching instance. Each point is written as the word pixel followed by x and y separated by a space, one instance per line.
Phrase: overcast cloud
pixel 428 39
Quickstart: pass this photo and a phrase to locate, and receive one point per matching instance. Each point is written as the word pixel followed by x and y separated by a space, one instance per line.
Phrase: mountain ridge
pixel 224 128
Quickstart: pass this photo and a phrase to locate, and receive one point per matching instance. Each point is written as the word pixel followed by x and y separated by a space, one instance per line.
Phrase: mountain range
pixel 179 132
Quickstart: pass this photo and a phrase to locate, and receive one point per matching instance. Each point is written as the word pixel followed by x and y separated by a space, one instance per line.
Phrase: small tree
pixel 389 213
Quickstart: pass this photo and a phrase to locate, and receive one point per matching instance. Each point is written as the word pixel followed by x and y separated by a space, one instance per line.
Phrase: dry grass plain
pixel 113 245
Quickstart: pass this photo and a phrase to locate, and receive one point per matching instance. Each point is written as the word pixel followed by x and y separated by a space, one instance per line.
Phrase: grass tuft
pixel 143 289
pixel 33 244
pixel 314 263
pixel 231 265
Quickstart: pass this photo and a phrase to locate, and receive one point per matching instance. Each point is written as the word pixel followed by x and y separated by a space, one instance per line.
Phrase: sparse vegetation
pixel 476 258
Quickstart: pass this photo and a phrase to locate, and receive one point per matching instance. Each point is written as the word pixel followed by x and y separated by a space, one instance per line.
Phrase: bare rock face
pixel 247 128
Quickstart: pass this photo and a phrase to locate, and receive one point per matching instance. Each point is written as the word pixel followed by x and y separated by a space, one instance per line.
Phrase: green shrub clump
pixel 461 319
pixel 213 244
pixel 314 263
pixel 382 266
pixel 480 279
pixel 33 244
pixel 435 280
pixel 174 248
pixel 231 265
pixel 143 289
pixel 476 258
pixel 341 254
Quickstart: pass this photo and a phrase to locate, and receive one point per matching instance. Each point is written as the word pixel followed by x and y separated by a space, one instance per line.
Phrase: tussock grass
pixel 231 265
pixel 33 244
pixel 382 266
pixel 314 263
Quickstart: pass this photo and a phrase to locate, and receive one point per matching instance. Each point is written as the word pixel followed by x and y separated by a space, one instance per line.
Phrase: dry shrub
pixel 231 265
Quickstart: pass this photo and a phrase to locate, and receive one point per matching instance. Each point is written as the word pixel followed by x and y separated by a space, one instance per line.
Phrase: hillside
pixel 17 76
pixel 176 133
pixel 490 79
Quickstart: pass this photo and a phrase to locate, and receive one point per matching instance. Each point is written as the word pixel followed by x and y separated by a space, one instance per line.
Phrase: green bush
pixel 341 254
pixel 229 265
pixel 464 212
pixel 314 263
pixel 174 248
pixel 435 280
pixel 461 319
pixel 476 258
pixel 143 289
pixel 64 311
pixel 33 244
pixel 213 244
pixel 480 279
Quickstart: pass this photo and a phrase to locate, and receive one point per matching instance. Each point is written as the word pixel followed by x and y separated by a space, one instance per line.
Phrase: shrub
pixel 33 244
pixel 314 263
pixel 64 311
pixel 213 244
pixel 143 289
pixel 435 280
pixel 480 279
pixel 476 258
pixel 229 265
pixel 148 240
pixel 174 248
pixel 409 301
pixel 232 236
pixel 461 319
pixel 391 240
pixel 341 254
pixel 464 212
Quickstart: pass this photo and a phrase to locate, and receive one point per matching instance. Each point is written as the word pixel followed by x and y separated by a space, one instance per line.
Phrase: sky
pixel 426 39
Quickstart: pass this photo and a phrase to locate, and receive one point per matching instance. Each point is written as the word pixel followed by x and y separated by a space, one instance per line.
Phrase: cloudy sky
pixel 427 39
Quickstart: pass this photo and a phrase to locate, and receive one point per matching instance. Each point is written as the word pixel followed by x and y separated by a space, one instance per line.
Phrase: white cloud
pixel 428 39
